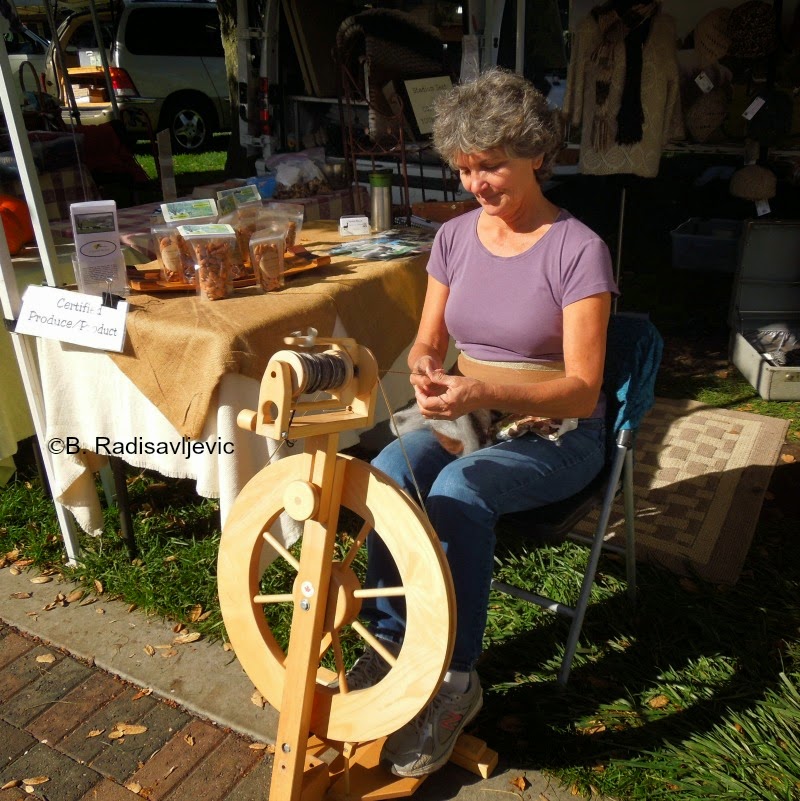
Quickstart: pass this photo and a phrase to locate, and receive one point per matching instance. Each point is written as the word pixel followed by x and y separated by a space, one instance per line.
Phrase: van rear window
pixel 152 32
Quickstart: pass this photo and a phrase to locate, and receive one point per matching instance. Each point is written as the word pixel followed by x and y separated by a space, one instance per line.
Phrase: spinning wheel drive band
pixel 338 714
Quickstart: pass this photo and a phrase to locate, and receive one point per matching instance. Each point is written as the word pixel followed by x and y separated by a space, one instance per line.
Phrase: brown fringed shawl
pixel 622 34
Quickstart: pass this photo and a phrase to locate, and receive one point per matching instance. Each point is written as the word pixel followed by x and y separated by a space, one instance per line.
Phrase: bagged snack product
pixel 267 247
pixel 190 212
pixel 293 213
pixel 245 222
pixel 177 259
pixel 213 247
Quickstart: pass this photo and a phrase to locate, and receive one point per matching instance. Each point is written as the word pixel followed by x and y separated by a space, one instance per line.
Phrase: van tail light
pixel 122 83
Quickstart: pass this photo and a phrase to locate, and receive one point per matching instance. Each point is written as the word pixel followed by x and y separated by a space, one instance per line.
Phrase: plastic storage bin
pixel 706 244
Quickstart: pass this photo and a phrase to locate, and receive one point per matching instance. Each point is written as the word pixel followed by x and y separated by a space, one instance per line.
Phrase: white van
pixel 166 60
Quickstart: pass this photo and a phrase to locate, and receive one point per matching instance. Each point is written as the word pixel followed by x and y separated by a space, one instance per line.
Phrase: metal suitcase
pixel 765 308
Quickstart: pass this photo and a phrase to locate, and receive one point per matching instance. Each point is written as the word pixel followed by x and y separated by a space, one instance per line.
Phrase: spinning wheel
pixel 345 716
pixel 326 595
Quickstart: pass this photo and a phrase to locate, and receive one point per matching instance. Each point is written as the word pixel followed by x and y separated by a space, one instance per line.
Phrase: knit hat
pixel 706 114
pixel 753 183
pixel 711 40
pixel 751 27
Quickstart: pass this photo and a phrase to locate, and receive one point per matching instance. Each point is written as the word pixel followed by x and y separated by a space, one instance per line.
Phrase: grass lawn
pixel 695 694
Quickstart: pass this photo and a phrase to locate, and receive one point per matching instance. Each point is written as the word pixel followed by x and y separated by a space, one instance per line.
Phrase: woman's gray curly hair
pixel 499 109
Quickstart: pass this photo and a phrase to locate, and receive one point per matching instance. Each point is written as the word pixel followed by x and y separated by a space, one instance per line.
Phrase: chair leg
pixel 589 574
pixel 630 526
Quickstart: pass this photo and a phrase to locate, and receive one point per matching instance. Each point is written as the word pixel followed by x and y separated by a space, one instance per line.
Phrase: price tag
pixel 762 207
pixel 704 82
pixel 753 108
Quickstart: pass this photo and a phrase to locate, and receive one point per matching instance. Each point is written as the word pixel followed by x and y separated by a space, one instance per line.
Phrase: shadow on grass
pixel 711 650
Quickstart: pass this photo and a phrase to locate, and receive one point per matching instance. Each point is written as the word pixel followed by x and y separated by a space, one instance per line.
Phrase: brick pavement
pixel 56 717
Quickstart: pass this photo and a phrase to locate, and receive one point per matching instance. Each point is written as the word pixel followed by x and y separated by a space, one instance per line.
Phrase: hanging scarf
pixel 622 36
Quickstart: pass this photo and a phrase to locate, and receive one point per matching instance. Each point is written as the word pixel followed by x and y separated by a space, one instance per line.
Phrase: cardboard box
pixel 765 309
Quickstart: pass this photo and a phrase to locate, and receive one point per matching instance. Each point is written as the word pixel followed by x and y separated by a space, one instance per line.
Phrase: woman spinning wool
pixel 525 290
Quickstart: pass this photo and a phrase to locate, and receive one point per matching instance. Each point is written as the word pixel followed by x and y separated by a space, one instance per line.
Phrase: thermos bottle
pixel 380 191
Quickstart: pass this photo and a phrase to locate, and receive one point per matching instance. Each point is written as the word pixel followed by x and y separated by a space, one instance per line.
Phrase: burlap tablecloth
pixel 178 347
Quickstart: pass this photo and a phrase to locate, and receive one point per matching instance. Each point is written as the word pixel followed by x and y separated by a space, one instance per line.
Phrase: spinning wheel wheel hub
pixel 343 605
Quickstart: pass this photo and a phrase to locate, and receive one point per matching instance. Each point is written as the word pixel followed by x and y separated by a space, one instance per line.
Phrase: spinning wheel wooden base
pixel 326 595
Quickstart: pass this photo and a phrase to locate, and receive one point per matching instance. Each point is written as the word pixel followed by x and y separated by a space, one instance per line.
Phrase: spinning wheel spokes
pixel 248 607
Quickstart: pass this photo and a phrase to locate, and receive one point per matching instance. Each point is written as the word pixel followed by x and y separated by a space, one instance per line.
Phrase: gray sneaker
pixel 369 668
pixel 425 743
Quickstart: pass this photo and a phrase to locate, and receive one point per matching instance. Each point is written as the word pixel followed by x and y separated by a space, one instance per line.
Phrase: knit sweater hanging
pixel 628 113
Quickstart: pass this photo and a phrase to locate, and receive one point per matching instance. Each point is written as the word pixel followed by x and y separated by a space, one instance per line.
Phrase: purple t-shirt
pixel 510 308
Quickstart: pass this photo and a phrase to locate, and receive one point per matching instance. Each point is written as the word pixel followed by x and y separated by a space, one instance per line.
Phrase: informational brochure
pixel 391 244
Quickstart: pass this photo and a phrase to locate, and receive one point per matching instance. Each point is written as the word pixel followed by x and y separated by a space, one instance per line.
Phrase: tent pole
pixel 9 291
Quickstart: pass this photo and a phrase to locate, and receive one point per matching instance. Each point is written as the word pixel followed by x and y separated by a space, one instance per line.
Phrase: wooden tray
pixel 297 261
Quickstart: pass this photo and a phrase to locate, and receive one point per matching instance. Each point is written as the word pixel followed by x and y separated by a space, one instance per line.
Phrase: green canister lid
pixel 380 178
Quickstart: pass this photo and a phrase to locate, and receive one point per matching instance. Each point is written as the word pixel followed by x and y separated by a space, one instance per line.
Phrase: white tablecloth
pixel 86 396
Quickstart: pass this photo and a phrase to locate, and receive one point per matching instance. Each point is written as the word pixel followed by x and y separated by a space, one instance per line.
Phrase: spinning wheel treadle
pixel 357 715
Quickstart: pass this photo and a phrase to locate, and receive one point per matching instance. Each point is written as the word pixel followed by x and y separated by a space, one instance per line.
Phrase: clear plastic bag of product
pixel 175 256
pixel 267 247
pixel 213 248
pixel 293 213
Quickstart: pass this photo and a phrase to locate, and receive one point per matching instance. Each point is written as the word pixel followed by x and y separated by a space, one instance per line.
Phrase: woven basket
pixel 753 183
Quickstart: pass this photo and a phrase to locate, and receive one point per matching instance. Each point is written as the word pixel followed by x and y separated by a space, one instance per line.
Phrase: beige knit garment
pixel 663 121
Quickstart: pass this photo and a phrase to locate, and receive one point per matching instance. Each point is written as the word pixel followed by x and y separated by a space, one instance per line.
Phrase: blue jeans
pixel 464 497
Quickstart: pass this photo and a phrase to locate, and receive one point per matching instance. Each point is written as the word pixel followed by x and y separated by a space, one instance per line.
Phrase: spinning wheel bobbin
pixel 326 594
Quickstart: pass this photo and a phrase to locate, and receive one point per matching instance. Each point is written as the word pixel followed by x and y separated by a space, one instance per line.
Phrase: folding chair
pixel 633 356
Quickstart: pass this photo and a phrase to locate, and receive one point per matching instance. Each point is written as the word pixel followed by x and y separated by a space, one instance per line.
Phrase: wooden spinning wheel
pixel 326 594
pixel 338 714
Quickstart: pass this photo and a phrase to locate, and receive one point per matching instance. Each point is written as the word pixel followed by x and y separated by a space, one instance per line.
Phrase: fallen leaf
pixel 787 458
pixel 574 790
pixel 738 727
pixel 36 780
pixel 95 733
pixel 595 727
pixel 134 787
pixel 115 734
pixel 15 571
pixel 189 636
pixel 204 616
pixel 98 585
pixel 257 746
pixel 142 693
pixel 167 654
pixel 41 579
pixel 61 597
pixel 87 601
pixel 172 558
pixel 658 702
pixel 195 612
pixel 125 729
pixel 177 627
pixel 11 555
pixel 226 646
pixel 46 659
pixel 188 739
pixel 9 785
pixel 23 562
pixel 149 650
pixel 131 608
pixel 521 783
pixel 257 699
pixel 74 596
pixel 100 610
pixel 49 607
pixel 21 595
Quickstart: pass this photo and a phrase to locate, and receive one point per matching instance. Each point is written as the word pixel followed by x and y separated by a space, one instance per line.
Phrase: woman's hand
pixel 446 397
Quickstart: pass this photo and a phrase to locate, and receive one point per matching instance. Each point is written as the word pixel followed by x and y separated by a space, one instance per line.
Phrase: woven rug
pixel 700 477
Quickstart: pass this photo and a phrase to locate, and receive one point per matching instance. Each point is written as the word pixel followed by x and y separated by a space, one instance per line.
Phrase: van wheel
pixel 190 120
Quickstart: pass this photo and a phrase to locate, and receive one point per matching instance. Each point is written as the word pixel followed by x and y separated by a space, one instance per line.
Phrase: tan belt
pixel 509 372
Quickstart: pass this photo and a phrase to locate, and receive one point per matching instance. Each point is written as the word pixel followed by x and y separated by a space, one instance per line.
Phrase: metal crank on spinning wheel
pixel 318 712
